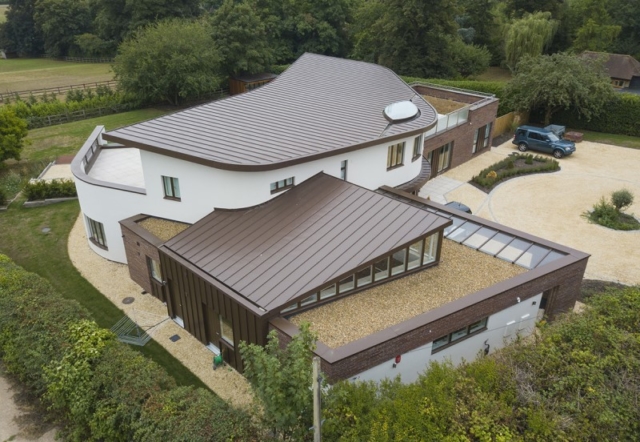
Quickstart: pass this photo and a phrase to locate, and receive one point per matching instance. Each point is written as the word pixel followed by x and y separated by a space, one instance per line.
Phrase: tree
pixel 242 38
pixel 60 21
pixel 411 37
pixel 621 199
pixel 529 35
pixel 560 81
pixel 281 380
pixel 13 131
pixel 469 59
pixel 169 61
pixel 20 33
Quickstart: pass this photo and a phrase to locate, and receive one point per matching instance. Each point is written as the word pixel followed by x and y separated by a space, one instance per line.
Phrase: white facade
pixel 502 328
pixel 202 188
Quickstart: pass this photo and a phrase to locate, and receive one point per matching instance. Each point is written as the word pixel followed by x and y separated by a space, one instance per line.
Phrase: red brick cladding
pixel 462 135
pixel 137 248
pixel 567 279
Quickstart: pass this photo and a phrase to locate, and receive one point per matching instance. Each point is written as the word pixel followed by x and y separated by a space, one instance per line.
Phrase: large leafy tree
pixel 529 35
pixel 281 380
pixel 560 81
pixel 242 38
pixel 20 33
pixel 411 37
pixel 591 25
pixel 626 13
pixel 60 21
pixel 169 61
pixel 13 132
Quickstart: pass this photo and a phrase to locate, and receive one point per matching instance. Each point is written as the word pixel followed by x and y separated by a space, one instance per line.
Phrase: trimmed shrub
pixel 506 169
pixel 621 199
pixel 59 188
pixel 607 215
pixel 3 197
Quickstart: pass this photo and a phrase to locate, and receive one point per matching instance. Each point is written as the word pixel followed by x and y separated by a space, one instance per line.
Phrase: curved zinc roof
pixel 317 107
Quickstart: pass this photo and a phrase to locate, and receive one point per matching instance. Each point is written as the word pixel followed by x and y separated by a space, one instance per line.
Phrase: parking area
pixel 551 205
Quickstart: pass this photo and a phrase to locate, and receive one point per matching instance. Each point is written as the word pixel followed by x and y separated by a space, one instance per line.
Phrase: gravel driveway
pixel 551 205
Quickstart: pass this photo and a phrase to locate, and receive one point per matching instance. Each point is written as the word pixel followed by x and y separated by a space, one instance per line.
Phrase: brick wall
pixel 137 249
pixel 567 280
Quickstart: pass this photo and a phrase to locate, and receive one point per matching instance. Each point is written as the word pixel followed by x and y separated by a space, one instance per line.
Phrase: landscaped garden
pixel 610 214
pixel 511 167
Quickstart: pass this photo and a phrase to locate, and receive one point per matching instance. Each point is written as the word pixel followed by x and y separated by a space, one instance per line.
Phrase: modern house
pixel 293 202
pixel 624 70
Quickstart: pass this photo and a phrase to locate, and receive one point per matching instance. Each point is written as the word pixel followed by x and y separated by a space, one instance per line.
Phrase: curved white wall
pixel 202 188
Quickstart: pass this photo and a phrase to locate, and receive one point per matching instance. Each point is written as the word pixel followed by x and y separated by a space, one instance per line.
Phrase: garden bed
pixel 515 165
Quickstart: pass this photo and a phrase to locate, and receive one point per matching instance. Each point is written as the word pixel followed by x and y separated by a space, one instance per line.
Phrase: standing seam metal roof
pixel 319 105
pixel 301 240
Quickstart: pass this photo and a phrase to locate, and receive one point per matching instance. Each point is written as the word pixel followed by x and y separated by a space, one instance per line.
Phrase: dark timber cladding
pixel 311 235
pixel 318 107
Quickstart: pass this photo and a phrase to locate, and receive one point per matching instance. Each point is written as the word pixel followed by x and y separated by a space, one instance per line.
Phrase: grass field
pixel 494 73
pixel 22 74
pixel 618 140
pixel 3 9
pixel 64 139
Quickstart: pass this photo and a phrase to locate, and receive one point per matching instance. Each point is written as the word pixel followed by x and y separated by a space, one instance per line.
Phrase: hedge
pixel 57 188
pixel 620 116
pixel 95 387
pixel 500 171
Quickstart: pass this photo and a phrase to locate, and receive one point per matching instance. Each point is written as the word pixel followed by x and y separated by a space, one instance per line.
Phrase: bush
pixel 607 215
pixel 58 188
pixel 621 199
pixel 3 197
pixel 502 170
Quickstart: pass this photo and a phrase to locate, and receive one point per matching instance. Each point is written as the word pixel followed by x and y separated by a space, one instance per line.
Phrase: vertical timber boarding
pixel 202 306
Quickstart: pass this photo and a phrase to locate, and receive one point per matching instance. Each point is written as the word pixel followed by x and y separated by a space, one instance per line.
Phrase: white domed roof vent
pixel 400 111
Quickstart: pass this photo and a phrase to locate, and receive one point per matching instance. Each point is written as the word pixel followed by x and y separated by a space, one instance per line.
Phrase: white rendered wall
pixel 502 327
pixel 202 188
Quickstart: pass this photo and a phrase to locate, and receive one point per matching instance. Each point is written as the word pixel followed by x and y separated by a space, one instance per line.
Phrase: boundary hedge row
pixel 95 387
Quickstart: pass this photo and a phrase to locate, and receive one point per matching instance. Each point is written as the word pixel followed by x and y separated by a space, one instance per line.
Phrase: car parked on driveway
pixel 542 140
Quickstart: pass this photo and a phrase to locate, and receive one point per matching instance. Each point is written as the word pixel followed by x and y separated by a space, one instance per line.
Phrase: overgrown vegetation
pixel 609 214
pixel 13 131
pixel 15 176
pixel 94 386
pixel 515 165
pixel 579 379
pixel 58 188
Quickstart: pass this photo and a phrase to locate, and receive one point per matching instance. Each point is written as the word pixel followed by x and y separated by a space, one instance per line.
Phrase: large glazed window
pixel 171 188
pixel 395 155
pixel 444 159
pixel 417 148
pixel 96 233
pixel 226 330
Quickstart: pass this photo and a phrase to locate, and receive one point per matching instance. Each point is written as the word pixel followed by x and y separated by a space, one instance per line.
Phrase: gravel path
pixel 551 205
pixel 370 311
pixel 112 280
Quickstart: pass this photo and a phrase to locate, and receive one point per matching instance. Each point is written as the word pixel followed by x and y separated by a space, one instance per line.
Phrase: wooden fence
pixel 51 120
pixel 5 96
pixel 81 59
pixel 503 124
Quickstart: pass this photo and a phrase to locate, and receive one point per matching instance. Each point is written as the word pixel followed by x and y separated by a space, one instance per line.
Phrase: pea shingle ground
pixel 461 271
pixel 162 228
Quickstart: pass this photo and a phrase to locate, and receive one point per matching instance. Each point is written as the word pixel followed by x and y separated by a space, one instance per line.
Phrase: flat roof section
pixel 319 106
pixel 310 235
pixel 163 229
pixel 120 166
pixel 461 271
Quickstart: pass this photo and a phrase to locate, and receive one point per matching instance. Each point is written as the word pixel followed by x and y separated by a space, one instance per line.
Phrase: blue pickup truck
pixel 543 140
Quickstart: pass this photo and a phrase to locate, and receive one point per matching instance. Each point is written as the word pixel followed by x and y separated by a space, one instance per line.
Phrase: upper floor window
pixel 281 185
pixel 343 170
pixel 96 233
pixel 154 269
pixel 476 136
pixel 487 134
pixel 171 188
pixel 395 155
pixel 417 147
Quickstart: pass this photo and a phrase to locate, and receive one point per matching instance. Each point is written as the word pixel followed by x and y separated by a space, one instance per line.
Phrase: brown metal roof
pixel 317 107
pixel 303 239
pixel 620 66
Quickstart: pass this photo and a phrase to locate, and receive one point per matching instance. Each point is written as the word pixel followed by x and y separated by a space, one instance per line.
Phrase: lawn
pixel 618 140
pixel 64 139
pixel 494 73
pixel 21 238
pixel 23 74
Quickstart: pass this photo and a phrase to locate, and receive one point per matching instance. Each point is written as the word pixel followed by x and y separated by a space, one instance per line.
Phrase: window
pixel 328 292
pixel 154 269
pixel 171 188
pixel 226 330
pixel 487 134
pixel 395 155
pixel 343 170
pixel 430 249
pixel 363 277
pixel 309 300
pixel 444 157
pixel 536 136
pixel 347 284
pixel 476 135
pixel 281 185
pixel 417 147
pixel 457 335
pixel 96 233
pixel 381 269
pixel 415 255
pixel 398 260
